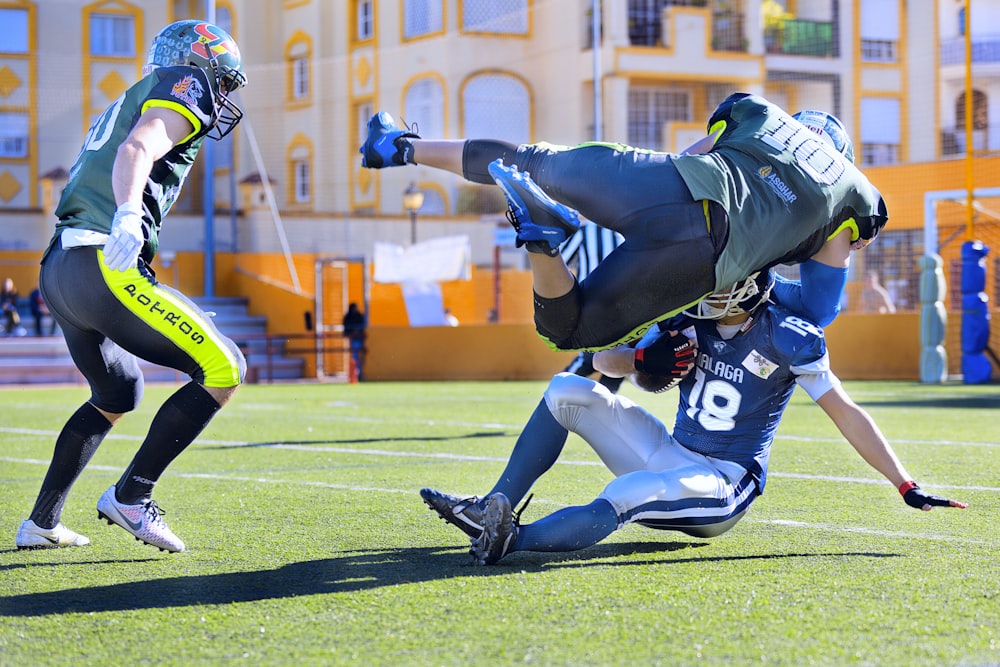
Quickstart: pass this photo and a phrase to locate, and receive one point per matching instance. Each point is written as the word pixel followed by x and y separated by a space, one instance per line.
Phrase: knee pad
pixel 556 319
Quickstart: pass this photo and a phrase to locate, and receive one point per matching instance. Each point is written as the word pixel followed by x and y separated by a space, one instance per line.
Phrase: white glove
pixel 121 252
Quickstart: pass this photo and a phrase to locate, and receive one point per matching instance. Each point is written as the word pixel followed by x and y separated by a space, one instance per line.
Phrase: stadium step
pixel 46 360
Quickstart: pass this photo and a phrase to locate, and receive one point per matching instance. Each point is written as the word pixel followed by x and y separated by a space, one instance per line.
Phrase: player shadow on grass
pixel 349 572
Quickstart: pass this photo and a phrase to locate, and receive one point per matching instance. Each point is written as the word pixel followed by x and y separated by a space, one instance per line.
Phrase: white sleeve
pixel 817 384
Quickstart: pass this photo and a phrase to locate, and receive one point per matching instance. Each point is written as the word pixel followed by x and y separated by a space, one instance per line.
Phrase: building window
pixel 498 106
pixel 980 123
pixel 13 135
pixel 366 20
pixel 112 35
pixel 14 36
pixel 649 109
pixel 506 17
pixel 300 78
pixel 299 57
pixel 300 161
pixel 879 30
pixel 424 105
pixel 303 181
pixel 422 17
pixel 878 50
pixel 880 132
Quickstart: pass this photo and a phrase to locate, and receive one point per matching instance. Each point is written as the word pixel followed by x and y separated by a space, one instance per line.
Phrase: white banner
pixel 443 258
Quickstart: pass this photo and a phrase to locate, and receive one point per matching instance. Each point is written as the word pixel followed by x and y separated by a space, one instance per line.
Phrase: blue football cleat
pixel 386 145
pixel 541 223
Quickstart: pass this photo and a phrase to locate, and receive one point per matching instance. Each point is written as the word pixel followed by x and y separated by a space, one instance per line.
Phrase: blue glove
pixel 121 252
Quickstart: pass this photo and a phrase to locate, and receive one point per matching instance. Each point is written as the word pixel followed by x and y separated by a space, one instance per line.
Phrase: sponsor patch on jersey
pixel 759 365
pixel 188 90
pixel 777 185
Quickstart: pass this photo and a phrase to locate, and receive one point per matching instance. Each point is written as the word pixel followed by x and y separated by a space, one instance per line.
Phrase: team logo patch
pixel 188 90
pixel 759 365
pixel 785 193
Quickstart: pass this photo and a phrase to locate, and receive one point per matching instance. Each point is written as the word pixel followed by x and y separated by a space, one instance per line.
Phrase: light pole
pixel 413 199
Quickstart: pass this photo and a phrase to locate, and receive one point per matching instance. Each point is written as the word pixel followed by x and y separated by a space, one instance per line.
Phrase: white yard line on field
pixel 496 459
pixel 410 492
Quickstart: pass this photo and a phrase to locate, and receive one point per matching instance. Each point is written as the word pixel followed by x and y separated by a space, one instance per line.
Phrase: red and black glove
pixel 915 497
pixel 668 359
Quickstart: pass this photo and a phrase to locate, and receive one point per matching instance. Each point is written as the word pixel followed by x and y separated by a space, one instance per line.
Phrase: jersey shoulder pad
pixel 799 340
pixel 183 85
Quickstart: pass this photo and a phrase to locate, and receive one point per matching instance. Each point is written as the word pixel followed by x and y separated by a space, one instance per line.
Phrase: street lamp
pixel 413 199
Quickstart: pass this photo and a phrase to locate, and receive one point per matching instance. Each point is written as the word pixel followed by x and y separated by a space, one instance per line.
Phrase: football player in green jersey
pixel 762 188
pixel 96 280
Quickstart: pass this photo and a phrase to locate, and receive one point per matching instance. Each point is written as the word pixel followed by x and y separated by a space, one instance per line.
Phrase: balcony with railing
pixel 646 24
pixel 984 140
pixel 783 34
pixel 799 37
pixel 985 50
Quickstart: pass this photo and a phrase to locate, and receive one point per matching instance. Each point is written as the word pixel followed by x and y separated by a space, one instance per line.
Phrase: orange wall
pixel 862 346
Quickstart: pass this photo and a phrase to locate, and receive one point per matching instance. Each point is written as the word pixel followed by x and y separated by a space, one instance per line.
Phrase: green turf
pixel 308 543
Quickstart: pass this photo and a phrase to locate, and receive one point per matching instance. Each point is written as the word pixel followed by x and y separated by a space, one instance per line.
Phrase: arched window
pixel 298 56
pixel 498 106
pixel 423 104
pixel 980 121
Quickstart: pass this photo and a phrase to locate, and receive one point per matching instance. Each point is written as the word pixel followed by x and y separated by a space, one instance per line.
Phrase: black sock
pixel 75 446
pixel 178 422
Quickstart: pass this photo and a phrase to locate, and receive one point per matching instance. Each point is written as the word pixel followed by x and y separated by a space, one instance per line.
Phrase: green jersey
pixel 786 191
pixel 88 201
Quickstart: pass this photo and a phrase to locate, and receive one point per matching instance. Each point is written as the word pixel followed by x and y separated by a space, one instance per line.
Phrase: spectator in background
pixel 39 311
pixel 8 303
pixel 355 330
pixel 875 297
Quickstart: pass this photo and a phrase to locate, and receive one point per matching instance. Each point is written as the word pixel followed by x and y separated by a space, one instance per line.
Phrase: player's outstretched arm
pixel 864 435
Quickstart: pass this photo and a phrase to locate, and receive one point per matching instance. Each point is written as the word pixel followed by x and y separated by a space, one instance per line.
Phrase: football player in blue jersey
pixel 738 358
pixel 96 279
pixel 762 188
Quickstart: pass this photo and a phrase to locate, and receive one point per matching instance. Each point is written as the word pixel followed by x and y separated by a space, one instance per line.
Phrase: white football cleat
pixel 144 521
pixel 31 536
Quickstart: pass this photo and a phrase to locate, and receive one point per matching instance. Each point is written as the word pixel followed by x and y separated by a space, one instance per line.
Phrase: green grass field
pixel 308 542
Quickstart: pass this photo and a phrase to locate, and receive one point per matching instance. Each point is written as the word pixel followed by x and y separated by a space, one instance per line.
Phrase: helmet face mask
pixel 211 49
pixel 830 129
pixel 742 298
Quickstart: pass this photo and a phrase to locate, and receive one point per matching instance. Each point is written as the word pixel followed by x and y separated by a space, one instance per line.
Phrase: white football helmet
pixel 744 296
pixel 829 128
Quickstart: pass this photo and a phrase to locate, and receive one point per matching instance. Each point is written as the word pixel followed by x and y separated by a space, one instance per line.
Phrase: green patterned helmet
pixel 213 50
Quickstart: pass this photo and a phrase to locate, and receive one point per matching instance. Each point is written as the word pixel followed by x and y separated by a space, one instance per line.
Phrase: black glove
pixel 671 356
pixel 915 497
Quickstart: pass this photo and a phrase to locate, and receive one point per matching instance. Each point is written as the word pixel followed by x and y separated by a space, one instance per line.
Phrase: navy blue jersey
pixel 731 403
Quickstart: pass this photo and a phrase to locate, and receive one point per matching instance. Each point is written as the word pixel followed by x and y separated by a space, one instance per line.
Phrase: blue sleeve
pixel 817 297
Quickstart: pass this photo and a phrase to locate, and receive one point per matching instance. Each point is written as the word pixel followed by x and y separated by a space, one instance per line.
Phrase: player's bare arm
pixel 156 132
pixel 858 427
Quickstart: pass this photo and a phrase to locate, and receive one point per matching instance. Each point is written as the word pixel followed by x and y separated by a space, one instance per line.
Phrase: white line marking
pixel 783 523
